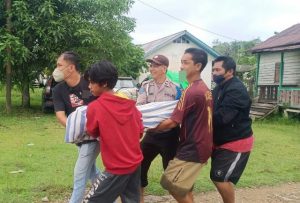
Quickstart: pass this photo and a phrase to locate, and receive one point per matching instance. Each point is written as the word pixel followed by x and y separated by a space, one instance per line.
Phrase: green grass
pixel 33 142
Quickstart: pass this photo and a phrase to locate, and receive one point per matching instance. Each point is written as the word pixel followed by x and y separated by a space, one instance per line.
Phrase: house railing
pixel 267 93
pixel 290 97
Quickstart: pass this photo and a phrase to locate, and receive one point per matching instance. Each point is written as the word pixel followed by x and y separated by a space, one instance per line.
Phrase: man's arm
pixel 92 127
pixel 61 117
pixel 166 124
pixel 142 96
pixel 234 100
pixel 59 105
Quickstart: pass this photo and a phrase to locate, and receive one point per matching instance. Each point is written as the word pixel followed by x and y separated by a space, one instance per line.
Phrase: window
pixel 277 72
pixel 181 40
pixel 185 41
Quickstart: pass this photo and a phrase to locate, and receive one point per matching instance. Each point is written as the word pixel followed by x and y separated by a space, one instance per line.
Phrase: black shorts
pixel 227 166
pixel 108 187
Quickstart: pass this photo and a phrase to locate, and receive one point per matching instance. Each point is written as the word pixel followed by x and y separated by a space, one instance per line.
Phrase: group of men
pixel 204 124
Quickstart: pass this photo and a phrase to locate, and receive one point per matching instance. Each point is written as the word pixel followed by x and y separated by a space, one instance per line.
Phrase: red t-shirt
pixel 242 145
pixel 118 124
pixel 194 113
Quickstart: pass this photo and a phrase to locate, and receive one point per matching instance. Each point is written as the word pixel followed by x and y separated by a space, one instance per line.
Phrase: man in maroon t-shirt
pixel 194 113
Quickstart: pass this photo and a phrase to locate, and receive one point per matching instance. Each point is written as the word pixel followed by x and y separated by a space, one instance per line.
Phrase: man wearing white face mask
pixel 70 93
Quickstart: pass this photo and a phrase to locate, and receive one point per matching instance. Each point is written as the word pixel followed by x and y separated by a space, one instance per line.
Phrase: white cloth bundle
pixel 155 112
pixel 76 126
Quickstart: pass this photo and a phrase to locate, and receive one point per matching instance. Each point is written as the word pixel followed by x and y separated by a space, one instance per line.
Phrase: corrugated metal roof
pixel 155 45
pixel 286 40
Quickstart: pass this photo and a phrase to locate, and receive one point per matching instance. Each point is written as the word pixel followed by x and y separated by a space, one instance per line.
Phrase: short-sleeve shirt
pixel 194 113
pixel 152 92
pixel 67 98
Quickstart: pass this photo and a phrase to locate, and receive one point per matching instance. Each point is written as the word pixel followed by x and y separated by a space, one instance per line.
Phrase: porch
pixel 267 93
pixel 288 97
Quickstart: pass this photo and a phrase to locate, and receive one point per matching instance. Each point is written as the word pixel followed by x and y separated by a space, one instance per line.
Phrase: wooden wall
pixel 291 73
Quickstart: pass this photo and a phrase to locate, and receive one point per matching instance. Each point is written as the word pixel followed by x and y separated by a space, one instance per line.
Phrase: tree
pixel 96 29
pixel 7 63
pixel 240 52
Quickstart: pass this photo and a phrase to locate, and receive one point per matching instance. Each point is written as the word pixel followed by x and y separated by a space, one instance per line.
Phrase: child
pixel 117 123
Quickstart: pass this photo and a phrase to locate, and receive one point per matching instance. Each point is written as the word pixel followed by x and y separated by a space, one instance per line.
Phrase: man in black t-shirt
pixel 70 93
pixel 67 99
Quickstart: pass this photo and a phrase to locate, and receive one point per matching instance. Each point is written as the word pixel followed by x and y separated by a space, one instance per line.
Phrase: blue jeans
pixel 85 169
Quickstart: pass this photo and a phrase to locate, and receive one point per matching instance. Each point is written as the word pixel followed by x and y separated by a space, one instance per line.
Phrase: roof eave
pixel 203 45
pixel 179 34
pixel 191 37
pixel 276 49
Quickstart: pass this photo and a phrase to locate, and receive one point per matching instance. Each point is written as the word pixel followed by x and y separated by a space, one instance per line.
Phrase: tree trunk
pixel 8 85
pixel 25 93
pixel 7 64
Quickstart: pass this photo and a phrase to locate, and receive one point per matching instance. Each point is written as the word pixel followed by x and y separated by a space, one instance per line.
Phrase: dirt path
pixel 288 192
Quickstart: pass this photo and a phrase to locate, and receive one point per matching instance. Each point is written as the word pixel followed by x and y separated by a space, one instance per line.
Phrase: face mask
pixel 182 76
pixel 218 79
pixel 58 75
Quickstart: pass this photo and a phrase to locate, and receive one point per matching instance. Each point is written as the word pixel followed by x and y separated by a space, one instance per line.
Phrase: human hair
pixel 103 72
pixel 198 56
pixel 228 63
pixel 73 58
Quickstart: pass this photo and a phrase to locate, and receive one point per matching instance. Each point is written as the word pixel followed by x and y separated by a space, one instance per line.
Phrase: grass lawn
pixel 35 162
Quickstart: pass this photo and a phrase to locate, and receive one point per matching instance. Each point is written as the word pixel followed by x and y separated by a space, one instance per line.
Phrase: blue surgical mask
pixel 218 79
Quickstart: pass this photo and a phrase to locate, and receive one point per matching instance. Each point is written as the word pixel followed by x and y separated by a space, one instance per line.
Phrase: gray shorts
pixel 108 187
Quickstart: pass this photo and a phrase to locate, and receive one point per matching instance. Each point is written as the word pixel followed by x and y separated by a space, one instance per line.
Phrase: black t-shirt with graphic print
pixel 67 98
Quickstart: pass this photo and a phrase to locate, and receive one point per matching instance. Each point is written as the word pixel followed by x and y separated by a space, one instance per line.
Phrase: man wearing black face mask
pixel 73 92
pixel 232 133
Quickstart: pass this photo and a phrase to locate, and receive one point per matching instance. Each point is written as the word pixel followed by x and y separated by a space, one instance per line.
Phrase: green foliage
pixel 41 30
pixel 10 41
pixel 238 50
